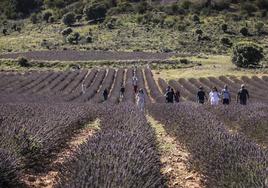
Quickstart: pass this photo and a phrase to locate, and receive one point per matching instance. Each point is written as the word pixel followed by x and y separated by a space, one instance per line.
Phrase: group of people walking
pixel 214 97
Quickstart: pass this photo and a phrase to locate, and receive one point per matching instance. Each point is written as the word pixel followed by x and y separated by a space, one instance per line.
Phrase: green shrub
pixel 89 39
pixel 259 26
pixel 248 8
pixel 51 19
pixel 73 38
pixel 95 11
pixel 142 7
pixel 198 32
pixel 23 62
pixel 123 7
pixel 170 22
pixel 79 17
pixel 196 19
pixel 244 31
pixel 186 4
pixel 247 54
pixel 221 5
pixel 185 61
pixel 69 18
pixel 262 4
pixel 46 16
pixel 224 27
pixel 4 31
pixel 226 41
pixel 34 18
pixel 66 31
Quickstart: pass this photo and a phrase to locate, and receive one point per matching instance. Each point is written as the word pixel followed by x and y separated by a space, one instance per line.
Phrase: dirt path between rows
pixel 49 179
pixel 175 160
pixel 75 55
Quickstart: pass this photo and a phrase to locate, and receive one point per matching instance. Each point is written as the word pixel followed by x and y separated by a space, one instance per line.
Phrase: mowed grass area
pixel 214 66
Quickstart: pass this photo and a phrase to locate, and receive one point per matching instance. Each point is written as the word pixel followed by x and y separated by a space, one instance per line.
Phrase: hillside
pixel 194 27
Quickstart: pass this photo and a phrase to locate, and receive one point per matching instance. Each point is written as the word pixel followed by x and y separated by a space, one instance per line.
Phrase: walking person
pixel 140 100
pixel 177 96
pixel 122 91
pixel 214 97
pixel 105 94
pixel 170 96
pixel 226 96
pixel 83 88
pixel 135 83
pixel 201 95
pixel 242 95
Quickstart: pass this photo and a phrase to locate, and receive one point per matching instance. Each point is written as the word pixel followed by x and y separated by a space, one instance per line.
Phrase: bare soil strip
pixel 175 160
pixel 73 55
pixel 49 179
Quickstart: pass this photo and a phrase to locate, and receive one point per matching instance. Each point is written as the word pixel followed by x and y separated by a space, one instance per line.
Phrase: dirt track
pixel 71 55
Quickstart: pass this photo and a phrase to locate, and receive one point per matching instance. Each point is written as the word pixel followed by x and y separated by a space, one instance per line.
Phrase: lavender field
pixel 58 131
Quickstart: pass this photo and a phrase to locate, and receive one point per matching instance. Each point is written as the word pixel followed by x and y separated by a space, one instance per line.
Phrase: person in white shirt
pixel 214 97
pixel 140 100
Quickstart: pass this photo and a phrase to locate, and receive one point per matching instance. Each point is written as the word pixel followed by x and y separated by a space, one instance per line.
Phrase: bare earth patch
pixel 175 160
pixel 49 179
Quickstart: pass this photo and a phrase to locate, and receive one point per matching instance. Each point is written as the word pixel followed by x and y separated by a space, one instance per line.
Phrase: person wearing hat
pixel 201 95
pixel 226 96
pixel 242 95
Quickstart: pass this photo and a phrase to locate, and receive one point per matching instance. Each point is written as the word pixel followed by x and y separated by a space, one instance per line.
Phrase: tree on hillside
pixel 14 8
pixel 95 11
pixel 247 54
pixel 69 18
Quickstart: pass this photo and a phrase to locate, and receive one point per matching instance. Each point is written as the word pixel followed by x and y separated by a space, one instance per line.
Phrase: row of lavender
pixel 227 159
pixel 32 133
pixel 71 86
pixel 122 154
pixel 250 121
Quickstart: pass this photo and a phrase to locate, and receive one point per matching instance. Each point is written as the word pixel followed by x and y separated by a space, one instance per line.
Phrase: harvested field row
pixel 71 55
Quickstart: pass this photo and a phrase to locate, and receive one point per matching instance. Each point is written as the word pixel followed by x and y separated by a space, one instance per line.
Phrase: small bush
pixel 51 19
pixel 73 38
pixel 46 16
pixel 5 32
pixel 259 26
pixel 224 27
pixel 69 18
pixel 142 7
pixel 23 62
pixel 66 31
pixel 199 32
pixel 170 22
pixel 248 8
pixel 262 4
pixel 34 18
pixel 186 5
pixel 247 54
pixel 185 61
pixel 226 41
pixel 196 19
pixel 89 39
pixel 79 17
pixel 244 31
